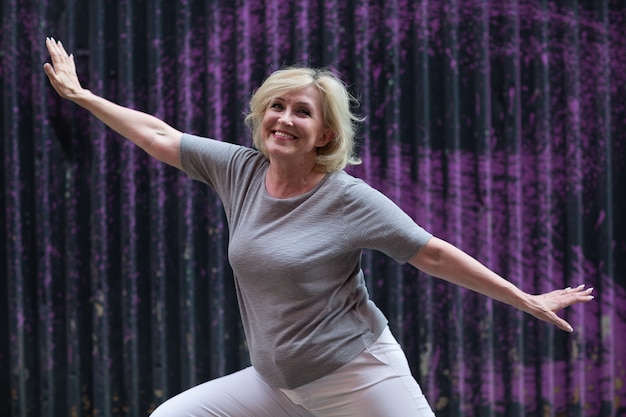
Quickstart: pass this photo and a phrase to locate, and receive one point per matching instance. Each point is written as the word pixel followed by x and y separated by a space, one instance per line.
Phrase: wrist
pixel 521 300
pixel 79 96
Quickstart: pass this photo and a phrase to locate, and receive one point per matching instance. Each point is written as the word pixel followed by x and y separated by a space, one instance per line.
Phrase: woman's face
pixel 293 126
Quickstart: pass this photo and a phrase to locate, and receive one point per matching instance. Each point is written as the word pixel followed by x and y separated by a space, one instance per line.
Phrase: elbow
pixel 430 258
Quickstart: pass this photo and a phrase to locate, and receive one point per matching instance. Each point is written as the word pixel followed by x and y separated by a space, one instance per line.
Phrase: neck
pixel 281 182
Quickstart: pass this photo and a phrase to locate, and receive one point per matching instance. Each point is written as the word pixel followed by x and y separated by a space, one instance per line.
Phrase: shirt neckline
pixel 298 197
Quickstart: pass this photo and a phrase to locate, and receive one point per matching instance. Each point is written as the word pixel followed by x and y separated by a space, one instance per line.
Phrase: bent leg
pixel 242 394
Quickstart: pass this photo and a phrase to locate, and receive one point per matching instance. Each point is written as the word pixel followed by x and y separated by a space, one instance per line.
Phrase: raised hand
pixel 62 71
pixel 151 134
pixel 545 306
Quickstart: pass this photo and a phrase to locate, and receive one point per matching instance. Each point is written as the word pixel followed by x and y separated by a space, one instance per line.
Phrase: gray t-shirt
pixel 296 261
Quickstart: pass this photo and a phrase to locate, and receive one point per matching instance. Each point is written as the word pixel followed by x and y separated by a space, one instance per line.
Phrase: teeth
pixel 284 135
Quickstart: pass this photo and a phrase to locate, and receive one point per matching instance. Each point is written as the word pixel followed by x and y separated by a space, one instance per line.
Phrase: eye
pixel 305 112
pixel 276 105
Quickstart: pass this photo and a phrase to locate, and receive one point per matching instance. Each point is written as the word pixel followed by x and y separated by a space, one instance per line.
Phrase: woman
pixel 298 223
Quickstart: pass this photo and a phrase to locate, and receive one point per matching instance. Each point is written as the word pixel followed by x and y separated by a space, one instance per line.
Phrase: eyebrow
pixel 299 103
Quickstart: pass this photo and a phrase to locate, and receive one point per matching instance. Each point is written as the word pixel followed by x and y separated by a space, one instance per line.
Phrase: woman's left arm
pixel 440 259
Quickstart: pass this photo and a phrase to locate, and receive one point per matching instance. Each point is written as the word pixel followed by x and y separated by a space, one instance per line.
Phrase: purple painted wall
pixel 499 126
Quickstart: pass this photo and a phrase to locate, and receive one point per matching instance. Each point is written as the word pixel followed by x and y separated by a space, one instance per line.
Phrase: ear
pixel 326 137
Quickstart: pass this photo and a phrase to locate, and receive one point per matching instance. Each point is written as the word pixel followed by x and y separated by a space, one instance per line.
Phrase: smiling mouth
pixel 283 135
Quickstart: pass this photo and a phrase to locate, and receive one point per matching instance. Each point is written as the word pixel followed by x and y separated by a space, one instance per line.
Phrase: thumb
pixel 48 69
pixel 563 325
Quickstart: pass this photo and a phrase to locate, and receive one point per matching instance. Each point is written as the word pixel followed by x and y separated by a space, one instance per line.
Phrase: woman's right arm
pixel 151 134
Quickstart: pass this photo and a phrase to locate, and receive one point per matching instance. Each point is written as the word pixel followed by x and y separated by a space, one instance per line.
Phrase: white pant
pixel 377 383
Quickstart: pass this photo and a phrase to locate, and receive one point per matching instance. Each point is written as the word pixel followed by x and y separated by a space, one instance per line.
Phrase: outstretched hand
pixel 62 71
pixel 545 306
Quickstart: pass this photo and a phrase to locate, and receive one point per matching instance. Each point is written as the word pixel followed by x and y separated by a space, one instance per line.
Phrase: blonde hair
pixel 337 113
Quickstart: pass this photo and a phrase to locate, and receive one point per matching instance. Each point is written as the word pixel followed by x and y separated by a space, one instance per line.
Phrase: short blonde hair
pixel 337 112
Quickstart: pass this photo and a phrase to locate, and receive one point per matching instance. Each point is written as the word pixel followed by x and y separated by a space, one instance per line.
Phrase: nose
pixel 285 119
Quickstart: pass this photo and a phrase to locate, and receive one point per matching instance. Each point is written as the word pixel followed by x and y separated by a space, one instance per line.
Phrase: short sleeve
pixel 376 222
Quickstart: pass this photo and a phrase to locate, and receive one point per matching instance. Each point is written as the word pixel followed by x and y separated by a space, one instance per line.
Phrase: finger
pixel 563 325
pixel 52 46
pixel 575 292
pixel 57 54
pixel 569 301
pixel 53 51
pixel 581 288
pixel 72 63
pixel 581 294
pixel 60 46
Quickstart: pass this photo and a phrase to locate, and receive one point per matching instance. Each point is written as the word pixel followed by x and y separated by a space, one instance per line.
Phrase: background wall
pixel 497 125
